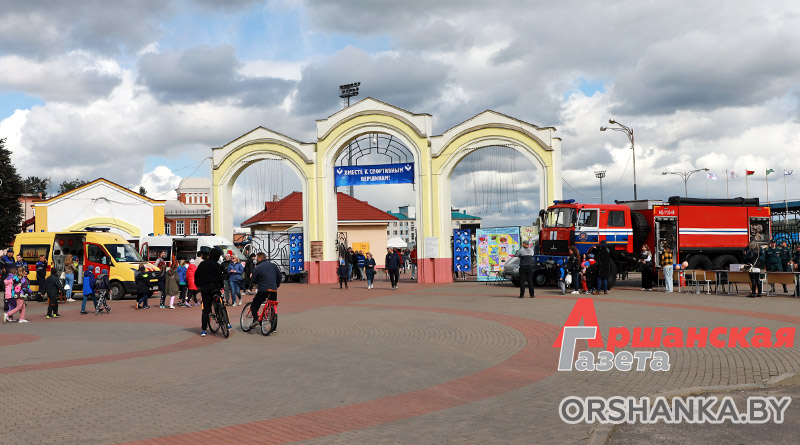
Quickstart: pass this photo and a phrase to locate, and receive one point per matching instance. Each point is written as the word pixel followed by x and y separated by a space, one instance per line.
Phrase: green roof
pixel 462 215
pixel 398 215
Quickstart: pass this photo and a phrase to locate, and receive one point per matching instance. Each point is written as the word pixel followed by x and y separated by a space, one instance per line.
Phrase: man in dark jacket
pixel 41 271
pixel 209 280
pixel 603 267
pixel 393 266
pixel 773 261
pixel 267 277
pixel 525 255
pixel 52 287
pixel 350 259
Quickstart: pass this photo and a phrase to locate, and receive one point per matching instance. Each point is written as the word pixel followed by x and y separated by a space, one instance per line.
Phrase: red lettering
pixel 614 342
pixel 582 311
pixel 714 339
pixel 646 337
pixel 784 338
pixel 697 337
pixel 762 338
pixel 674 338
pixel 738 337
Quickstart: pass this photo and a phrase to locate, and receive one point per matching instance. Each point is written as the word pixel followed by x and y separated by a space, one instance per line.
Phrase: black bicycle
pixel 218 317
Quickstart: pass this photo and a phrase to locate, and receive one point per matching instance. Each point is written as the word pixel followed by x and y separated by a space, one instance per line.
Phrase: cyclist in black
pixel 208 279
pixel 267 277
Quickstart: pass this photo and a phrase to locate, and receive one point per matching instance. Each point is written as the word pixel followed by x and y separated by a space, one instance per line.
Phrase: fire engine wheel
pixel 640 228
pixel 539 279
pixel 723 262
pixel 700 262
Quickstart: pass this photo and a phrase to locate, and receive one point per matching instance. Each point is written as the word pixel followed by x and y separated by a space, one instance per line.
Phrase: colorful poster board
pixel 495 246
pixel 296 264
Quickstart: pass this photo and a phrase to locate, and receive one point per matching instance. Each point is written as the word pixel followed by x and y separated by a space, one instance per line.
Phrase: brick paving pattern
pixel 457 363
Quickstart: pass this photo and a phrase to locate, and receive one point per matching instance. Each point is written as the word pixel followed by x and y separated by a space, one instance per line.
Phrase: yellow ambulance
pixel 94 249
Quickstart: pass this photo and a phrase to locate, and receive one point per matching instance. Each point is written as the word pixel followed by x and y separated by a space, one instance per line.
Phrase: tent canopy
pixel 396 242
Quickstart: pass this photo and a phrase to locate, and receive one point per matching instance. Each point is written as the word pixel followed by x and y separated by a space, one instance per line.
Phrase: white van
pixel 183 247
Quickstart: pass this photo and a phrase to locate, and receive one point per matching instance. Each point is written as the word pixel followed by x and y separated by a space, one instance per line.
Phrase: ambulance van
pixel 93 249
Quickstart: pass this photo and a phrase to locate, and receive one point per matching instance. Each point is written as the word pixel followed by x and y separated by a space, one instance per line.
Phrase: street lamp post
pixel 600 175
pixel 628 132
pixel 685 176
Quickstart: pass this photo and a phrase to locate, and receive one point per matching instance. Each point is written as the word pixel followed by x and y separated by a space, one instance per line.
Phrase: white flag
pixel 712 176
pixel 734 175
pixel 787 172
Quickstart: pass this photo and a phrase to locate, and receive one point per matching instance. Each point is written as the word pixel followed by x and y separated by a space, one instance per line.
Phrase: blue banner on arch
pixel 374 174
pixel 296 257
pixel 462 250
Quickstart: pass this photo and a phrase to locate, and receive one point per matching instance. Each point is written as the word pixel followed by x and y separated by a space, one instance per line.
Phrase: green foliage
pixel 35 184
pixel 10 190
pixel 142 190
pixel 67 186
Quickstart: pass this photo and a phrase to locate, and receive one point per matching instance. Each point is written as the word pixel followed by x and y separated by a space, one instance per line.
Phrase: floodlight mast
pixel 347 91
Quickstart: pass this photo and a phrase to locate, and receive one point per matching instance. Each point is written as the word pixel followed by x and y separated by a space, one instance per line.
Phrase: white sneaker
pixel 172 307
pixel 70 300
pixel 23 320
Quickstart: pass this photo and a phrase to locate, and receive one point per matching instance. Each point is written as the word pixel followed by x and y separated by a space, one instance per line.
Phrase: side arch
pixel 231 166
pixel 546 160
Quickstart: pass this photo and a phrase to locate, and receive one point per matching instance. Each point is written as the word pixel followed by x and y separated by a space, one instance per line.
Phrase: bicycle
pixel 218 317
pixel 267 317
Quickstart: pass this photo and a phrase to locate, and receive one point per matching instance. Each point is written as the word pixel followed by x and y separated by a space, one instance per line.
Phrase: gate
pixel 276 246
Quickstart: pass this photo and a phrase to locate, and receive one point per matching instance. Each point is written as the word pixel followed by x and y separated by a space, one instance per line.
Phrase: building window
pixel 166 229
pixel 193 227
pixel 179 228
pixel 388 232
pixel 395 232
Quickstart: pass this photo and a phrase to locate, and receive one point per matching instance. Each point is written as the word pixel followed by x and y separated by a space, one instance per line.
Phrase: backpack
pixel 101 282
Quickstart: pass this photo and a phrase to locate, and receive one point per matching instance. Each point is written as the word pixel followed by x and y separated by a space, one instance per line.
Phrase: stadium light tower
pixel 600 175
pixel 348 91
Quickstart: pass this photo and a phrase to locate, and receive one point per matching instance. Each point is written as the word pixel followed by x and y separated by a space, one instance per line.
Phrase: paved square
pixel 457 363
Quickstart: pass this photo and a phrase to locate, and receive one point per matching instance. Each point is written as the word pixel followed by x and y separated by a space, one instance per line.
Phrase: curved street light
pixel 628 132
pixel 685 176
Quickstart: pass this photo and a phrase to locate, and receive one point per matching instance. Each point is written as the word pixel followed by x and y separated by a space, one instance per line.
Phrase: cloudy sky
pixel 138 91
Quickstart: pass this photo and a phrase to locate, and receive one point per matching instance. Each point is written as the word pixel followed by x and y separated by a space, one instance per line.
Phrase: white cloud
pixel 160 183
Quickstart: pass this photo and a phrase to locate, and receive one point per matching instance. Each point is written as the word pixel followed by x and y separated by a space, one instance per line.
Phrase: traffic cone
pixel 682 279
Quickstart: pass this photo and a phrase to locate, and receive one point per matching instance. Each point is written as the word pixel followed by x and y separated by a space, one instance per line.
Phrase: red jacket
pixel 190 270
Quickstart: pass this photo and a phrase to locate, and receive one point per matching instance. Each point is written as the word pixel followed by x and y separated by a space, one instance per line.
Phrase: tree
pixel 10 191
pixel 35 184
pixel 142 190
pixel 70 185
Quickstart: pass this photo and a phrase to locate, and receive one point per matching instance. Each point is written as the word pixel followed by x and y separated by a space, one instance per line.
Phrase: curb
pixel 601 432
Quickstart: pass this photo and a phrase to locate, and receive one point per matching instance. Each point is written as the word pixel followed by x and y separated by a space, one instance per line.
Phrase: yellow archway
pixel 105 221
pixel 435 157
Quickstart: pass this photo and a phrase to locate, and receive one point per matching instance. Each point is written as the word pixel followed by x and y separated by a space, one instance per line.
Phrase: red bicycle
pixel 267 317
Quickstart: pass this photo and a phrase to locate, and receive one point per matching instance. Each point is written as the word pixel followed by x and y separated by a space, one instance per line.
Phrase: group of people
pixel 354 265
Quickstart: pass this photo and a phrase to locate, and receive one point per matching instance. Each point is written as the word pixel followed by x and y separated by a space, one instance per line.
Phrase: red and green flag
pixel 750 172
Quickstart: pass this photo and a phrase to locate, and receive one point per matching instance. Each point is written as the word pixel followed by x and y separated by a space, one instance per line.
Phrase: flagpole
pixel 727 190
pixel 785 201
pixel 706 185
pixel 766 178
pixel 747 185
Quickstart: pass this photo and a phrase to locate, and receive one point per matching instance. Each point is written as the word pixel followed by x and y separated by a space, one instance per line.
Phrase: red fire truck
pixel 708 233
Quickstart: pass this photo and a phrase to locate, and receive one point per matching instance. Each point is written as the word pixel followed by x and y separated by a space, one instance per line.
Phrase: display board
pixel 316 251
pixel 296 264
pixel 527 233
pixel 462 251
pixel 374 174
pixel 494 247
pixel 361 247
